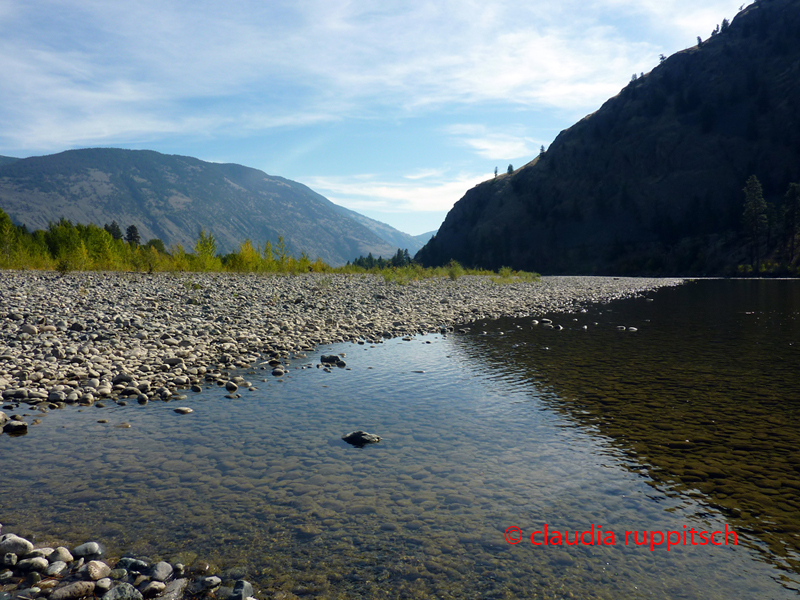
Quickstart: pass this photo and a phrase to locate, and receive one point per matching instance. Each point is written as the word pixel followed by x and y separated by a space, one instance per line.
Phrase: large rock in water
pixel 360 438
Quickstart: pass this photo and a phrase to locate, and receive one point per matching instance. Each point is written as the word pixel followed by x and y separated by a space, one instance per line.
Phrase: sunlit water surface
pixel 509 425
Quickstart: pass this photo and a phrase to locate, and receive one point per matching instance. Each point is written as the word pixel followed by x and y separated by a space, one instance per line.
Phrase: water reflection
pixel 703 398
pixel 265 486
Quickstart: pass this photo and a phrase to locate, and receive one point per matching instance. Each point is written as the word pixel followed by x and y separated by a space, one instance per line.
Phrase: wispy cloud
pixel 93 71
pixel 374 193
pixel 493 145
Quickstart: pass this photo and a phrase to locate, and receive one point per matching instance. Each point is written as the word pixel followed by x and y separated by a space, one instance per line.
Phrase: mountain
pixel 4 160
pixel 173 197
pixel 651 182
pixel 396 238
pixel 423 238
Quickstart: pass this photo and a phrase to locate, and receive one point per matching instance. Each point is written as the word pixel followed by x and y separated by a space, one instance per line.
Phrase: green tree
pixel 114 230
pixel 754 218
pixel 791 219
pixel 132 235
pixel 282 254
pixel 510 169
pixel 8 237
pixel 205 249
pixel 157 244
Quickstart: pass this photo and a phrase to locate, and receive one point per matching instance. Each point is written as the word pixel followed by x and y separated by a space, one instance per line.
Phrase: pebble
pixel 87 549
pixel 97 570
pixel 161 571
pixel 78 589
pixel 183 410
pixel 10 542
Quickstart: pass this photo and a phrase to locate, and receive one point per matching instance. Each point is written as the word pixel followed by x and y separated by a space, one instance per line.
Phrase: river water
pixel 691 422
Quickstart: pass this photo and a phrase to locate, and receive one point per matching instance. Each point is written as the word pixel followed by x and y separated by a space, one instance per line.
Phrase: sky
pixel 392 109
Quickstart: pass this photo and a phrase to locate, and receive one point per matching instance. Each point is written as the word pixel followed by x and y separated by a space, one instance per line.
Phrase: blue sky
pixel 393 109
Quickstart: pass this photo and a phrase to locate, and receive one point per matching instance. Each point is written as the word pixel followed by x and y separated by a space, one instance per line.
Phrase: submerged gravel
pixel 91 337
pixel 102 338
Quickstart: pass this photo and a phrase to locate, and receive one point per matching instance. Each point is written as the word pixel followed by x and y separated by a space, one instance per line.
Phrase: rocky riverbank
pixel 28 572
pixel 89 338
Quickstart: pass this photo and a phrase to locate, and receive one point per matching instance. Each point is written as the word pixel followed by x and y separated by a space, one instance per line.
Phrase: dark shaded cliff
pixel 651 182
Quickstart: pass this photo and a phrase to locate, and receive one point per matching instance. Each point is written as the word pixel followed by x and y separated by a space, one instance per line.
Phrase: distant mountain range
pixel 173 197
pixel 652 182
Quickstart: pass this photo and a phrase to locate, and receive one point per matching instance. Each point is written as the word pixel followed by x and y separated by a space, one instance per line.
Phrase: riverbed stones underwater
pixel 120 336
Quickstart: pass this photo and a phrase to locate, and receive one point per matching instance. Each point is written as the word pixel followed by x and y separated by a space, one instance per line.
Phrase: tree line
pixel 771 231
pixel 67 246
pixel 401 259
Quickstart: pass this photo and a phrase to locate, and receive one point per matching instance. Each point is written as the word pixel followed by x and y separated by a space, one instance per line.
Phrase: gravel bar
pixel 84 338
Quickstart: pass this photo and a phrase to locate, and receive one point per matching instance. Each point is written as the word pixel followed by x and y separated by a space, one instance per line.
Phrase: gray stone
pixel 161 571
pixel 211 582
pixel 79 589
pixel 103 585
pixel 43 552
pixel 9 559
pixel 134 565
pixel 14 426
pixel 242 590
pixel 231 387
pixel 3 417
pixel 29 329
pixel 36 563
pixel 361 438
pixel 60 554
pixel 87 549
pixel 15 544
pixel 57 568
pixel 124 591
pixel 122 378
pixel 174 589
pixel 183 410
pixel 153 588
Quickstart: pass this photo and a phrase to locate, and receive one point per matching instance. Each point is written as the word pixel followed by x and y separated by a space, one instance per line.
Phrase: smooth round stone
pixel 15 544
pixel 57 568
pixel 103 585
pixel 196 388
pixel 183 410
pixel 161 570
pixel 153 588
pixel 87 549
pixel 37 563
pixel 231 387
pixel 60 554
pixel 97 569
pixel 211 582
pixel 278 372
pixel 79 589
pixel 15 426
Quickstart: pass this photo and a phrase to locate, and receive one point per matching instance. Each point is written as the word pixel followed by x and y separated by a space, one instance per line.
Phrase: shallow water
pixel 519 426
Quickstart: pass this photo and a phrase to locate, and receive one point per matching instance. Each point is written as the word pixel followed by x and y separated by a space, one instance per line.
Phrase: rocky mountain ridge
pixel 652 181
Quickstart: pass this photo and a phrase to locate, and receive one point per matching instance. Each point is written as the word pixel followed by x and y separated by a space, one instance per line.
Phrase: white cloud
pixel 78 71
pixel 493 145
pixel 374 194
